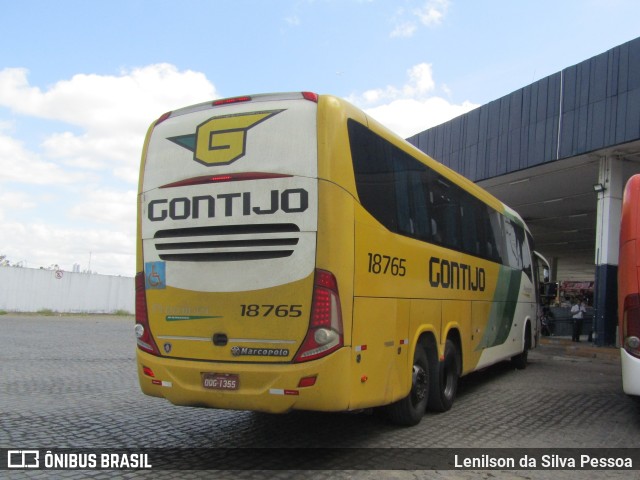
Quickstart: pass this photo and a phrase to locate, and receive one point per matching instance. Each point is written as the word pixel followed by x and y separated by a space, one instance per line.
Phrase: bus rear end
pixel 629 288
pixel 231 311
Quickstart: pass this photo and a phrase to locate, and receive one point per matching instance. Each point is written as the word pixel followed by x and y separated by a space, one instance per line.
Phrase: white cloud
pixel 420 80
pixel 113 112
pixel 292 20
pixel 111 207
pixel 405 29
pixel 107 251
pixel 412 107
pixel 430 14
pixel 14 201
pixel 108 116
pixel 95 102
pixel 19 165
pixel 409 116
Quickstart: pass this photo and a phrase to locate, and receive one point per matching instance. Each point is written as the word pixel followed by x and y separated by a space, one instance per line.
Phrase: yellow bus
pixel 294 254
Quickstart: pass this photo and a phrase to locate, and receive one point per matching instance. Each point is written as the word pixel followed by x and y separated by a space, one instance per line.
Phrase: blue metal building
pixel 559 151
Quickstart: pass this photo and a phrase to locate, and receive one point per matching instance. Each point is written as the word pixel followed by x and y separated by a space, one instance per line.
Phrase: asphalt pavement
pixel 70 382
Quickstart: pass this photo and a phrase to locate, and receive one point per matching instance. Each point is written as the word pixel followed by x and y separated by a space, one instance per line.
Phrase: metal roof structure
pixel 540 150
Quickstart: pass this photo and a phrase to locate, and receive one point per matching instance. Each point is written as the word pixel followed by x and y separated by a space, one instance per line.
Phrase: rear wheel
pixel 410 410
pixel 444 379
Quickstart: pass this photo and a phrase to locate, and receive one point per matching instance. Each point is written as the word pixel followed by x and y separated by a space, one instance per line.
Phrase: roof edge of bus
pixel 515 216
pixel 258 97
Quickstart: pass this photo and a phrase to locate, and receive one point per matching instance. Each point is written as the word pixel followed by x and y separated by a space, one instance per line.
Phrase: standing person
pixel 577 311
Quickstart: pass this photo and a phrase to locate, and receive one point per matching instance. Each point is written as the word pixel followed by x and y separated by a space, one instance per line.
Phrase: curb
pixel 565 347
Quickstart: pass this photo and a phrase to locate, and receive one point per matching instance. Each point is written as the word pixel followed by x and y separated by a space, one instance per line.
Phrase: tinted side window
pixel 444 207
pixel 518 253
pixel 494 247
pixel 409 198
pixel 472 226
pixel 514 237
pixel 374 175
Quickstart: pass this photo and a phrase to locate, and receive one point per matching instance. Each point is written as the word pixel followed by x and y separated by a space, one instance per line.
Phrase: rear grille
pixel 227 243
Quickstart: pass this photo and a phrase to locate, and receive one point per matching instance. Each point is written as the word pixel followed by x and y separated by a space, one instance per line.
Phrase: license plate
pixel 220 381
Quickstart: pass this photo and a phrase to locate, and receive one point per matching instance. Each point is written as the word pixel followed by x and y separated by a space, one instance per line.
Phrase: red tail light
pixel 631 325
pixel 162 118
pixel 231 177
pixel 227 101
pixel 312 97
pixel 325 324
pixel 144 338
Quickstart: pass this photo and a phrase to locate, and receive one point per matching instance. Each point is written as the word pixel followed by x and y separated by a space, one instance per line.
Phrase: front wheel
pixel 410 410
pixel 520 361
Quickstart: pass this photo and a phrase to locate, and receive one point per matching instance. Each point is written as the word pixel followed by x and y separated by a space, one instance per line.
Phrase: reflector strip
pixel 191 339
pixel 280 391
pixel 361 348
pixel 404 341
pixel 162 383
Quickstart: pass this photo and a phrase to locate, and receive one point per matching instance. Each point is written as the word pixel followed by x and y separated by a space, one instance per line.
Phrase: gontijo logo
pixel 222 140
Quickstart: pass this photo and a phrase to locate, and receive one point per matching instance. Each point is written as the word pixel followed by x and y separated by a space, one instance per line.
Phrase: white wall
pixel 31 290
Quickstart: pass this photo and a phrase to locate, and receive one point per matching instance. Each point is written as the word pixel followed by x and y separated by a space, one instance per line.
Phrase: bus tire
pixel 520 361
pixel 410 410
pixel 444 379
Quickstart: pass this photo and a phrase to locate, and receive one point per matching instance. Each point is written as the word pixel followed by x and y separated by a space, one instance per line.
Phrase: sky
pixel 81 81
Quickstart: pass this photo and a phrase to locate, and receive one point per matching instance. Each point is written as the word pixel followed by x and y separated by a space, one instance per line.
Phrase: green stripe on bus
pixel 504 305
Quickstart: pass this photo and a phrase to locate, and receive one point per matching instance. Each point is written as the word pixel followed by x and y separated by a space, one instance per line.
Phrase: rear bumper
pixel 263 387
pixel 630 373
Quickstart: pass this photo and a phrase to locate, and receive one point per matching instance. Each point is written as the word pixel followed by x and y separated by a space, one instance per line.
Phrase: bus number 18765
pixel 385 264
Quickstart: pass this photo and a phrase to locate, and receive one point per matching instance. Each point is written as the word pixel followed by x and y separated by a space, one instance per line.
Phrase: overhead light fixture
pixel 598 188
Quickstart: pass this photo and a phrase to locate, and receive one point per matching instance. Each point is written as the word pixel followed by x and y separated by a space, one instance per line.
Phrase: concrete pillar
pixel 554 278
pixel 554 269
pixel 607 246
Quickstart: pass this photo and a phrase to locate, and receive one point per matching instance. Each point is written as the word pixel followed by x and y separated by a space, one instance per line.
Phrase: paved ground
pixel 70 382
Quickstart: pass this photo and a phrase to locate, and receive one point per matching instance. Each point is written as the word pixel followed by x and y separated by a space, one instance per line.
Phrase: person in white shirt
pixel 578 310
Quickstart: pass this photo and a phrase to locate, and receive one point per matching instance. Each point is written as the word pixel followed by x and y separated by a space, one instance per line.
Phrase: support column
pixel 607 247
pixel 554 279
pixel 554 269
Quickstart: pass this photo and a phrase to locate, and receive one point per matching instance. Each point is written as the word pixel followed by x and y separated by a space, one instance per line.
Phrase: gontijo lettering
pixel 459 276
pixel 292 200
